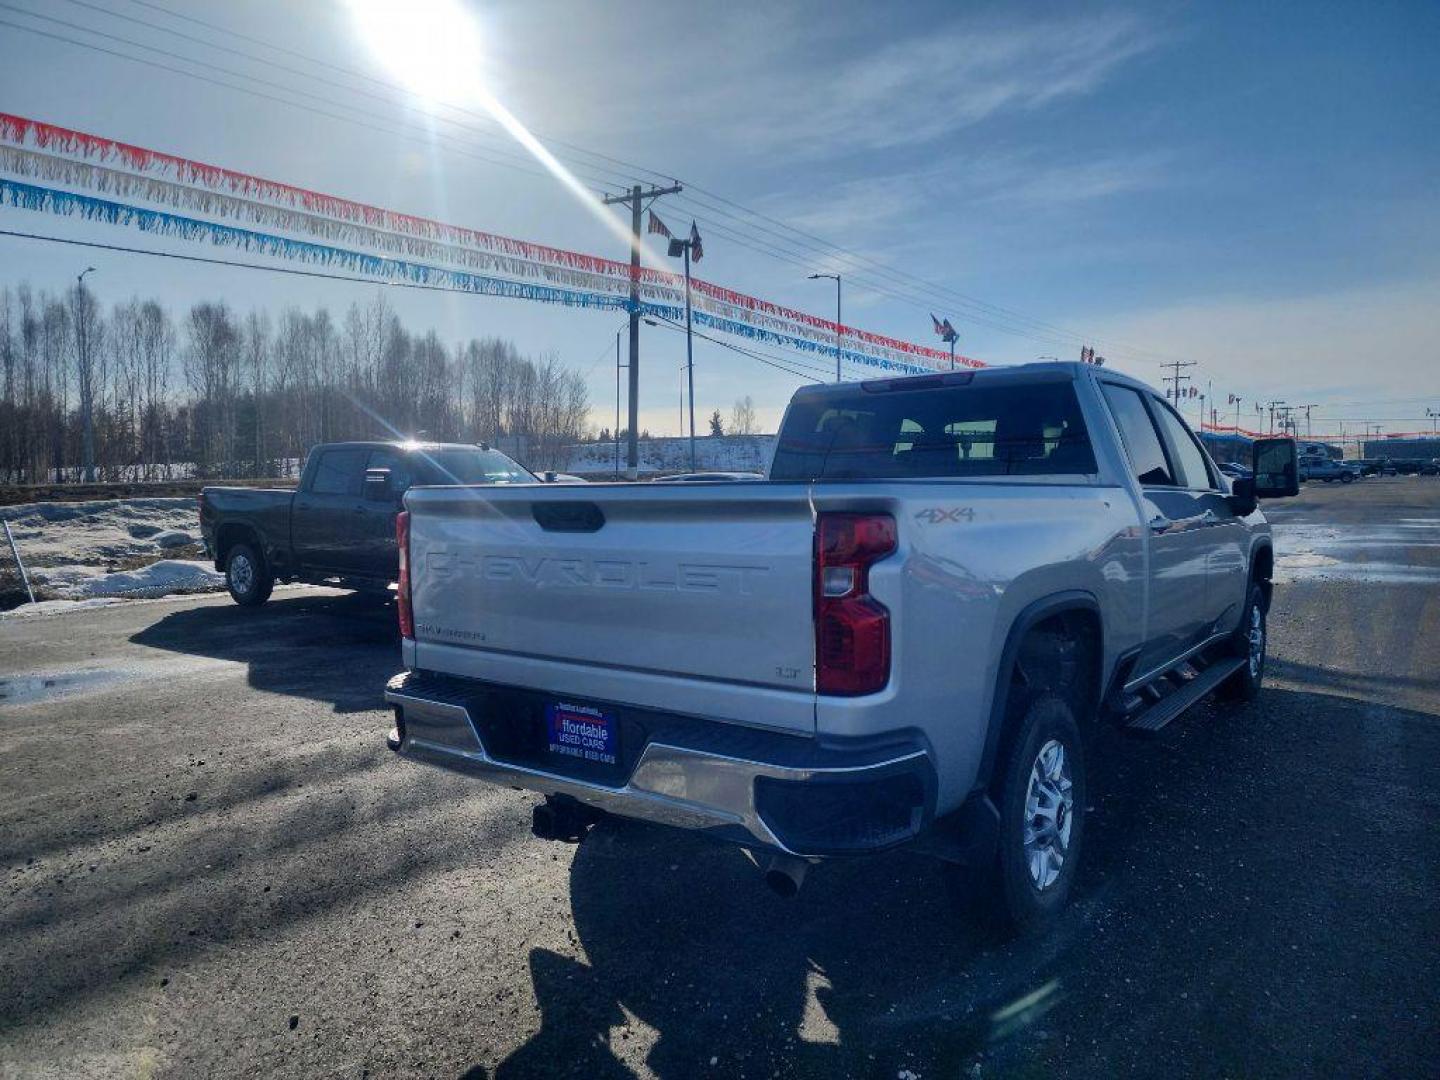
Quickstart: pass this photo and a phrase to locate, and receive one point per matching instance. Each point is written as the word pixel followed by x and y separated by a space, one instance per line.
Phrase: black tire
pixel 248 576
pixel 1245 684
pixel 1025 896
pixel 1347 478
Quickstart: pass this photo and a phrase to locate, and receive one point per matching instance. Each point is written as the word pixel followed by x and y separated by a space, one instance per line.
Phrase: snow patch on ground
pixel 1369 553
pixel 100 532
pixel 109 548
pixel 59 607
pixel 158 579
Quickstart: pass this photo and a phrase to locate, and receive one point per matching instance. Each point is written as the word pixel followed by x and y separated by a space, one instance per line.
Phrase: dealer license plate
pixel 582 732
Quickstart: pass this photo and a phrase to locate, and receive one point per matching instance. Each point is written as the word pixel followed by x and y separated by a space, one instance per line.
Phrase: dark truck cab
pixel 338 526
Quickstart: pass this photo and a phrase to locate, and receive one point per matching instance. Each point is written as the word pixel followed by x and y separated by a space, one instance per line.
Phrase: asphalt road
pixel 213 867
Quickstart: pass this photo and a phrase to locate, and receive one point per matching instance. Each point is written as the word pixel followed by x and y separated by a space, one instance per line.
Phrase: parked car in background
pixel 1234 469
pixel 707 477
pixel 1327 469
pixel 1365 467
pixel 1408 466
pixel 1431 468
pixel 900 637
pixel 338 526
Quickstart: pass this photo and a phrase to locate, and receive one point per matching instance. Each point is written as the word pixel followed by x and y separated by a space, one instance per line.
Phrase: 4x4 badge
pixel 939 515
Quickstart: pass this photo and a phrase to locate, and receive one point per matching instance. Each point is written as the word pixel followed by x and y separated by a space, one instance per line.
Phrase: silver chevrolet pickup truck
pixel 901 637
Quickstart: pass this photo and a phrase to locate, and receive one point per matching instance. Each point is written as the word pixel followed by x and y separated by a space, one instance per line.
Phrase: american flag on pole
pixel 696 250
pixel 658 226
pixel 944 330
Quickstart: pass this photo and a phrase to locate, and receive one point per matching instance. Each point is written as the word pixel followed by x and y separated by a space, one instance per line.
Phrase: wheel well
pixel 228 536
pixel 1061 652
pixel 1262 569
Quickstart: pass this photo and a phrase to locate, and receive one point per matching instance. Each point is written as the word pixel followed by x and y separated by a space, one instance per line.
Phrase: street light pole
pixel 87 384
pixel 689 356
pixel 836 278
pixel 617 404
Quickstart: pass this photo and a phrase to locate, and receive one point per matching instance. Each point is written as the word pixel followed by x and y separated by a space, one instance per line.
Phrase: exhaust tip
pixel 785 874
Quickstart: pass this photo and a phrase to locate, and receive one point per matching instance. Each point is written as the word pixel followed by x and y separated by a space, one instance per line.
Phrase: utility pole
pixel 1176 378
pixel 1308 428
pixel 1434 415
pixel 836 279
pixel 634 199
pixel 1272 405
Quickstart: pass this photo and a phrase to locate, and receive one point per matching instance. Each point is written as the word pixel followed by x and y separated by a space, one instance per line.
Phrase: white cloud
pixel 1370 343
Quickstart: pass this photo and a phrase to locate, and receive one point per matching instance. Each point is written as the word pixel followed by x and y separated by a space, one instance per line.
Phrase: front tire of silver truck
pixel 1248 641
pixel 248 576
pixel 1041 799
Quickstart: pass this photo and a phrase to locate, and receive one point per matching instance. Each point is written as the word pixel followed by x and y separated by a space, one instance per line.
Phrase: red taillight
pixel 852 628
pixel 402 589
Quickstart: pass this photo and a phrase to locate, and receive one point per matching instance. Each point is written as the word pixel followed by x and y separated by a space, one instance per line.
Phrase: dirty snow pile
pixel 158 579
pixel 110 548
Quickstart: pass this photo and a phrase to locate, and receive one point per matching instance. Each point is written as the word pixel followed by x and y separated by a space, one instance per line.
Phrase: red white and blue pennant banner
pixel 36 151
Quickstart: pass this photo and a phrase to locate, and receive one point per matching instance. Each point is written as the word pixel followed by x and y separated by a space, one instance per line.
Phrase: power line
pixel 800 246
pixel 413 137
pixel 976 310
pixel 294 271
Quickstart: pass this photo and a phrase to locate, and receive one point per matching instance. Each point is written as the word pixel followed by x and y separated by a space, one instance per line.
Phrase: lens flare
pixel 434 49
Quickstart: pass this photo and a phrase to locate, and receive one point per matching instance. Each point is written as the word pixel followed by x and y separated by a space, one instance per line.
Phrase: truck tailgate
pixel 696 588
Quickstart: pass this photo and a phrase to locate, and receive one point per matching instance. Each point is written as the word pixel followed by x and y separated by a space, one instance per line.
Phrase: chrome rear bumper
pixel 682 786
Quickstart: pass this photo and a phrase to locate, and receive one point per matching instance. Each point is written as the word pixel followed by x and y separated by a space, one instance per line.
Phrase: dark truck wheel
pixel 247 576
pixel 1041 800
pixel 1248 641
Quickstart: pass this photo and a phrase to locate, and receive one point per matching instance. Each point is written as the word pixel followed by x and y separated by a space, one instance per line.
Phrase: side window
pixel 340 472
pixel 1142 441
pixel 401 475
pixel 1189 457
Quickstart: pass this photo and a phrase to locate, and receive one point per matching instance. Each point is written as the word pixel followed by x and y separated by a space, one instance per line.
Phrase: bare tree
pixel 118 393
pixel 742 417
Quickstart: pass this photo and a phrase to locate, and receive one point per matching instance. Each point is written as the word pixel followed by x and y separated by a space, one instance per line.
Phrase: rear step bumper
pixel 780 792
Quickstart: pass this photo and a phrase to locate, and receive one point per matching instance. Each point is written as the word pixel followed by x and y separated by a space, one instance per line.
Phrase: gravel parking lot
pixel 213 867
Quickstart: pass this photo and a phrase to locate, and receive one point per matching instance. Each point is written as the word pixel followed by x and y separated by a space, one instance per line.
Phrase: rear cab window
pixel 339 472
pixel 1034 429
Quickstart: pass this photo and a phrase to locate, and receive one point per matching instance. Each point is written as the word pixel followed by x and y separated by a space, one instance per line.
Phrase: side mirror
pixel 377 486
pixel 1242 496
pixel 550 475
pixel 1276 468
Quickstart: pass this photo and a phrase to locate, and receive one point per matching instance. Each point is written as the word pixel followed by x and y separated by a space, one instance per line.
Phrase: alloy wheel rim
pixel 242 574
pixel 1256 636
pixel 1049 814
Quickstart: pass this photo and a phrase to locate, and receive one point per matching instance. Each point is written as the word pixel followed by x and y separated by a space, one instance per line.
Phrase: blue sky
pixel 1253 187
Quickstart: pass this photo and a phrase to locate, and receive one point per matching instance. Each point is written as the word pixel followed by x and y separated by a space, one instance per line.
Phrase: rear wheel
pixel 1042 815
pixel 1249 641
pixel 247 576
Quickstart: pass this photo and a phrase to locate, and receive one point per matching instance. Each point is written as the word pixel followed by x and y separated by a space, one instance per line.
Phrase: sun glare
pixel 431 46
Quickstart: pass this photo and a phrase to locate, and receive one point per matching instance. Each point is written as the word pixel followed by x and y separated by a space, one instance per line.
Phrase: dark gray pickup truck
pixel 338 527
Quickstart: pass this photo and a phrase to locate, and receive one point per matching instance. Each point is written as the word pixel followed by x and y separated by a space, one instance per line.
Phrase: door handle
pixel 1160 523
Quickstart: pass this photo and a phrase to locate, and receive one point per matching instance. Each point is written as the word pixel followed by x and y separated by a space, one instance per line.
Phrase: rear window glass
pixel 1029 430
pixel 458 466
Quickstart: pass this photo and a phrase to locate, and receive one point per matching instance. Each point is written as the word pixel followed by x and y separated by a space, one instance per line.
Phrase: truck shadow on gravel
pixel 1244 905
pixel 338 649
